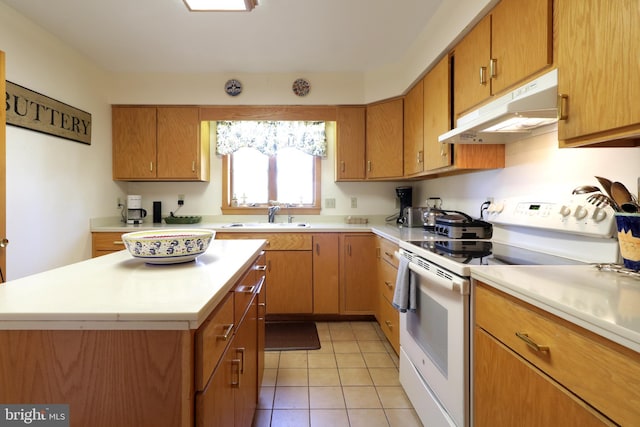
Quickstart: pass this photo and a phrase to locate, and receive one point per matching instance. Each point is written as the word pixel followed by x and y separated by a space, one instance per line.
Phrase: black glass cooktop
pixel 484 252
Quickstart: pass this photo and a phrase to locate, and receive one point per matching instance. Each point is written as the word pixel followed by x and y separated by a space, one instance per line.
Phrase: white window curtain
pixel 270 136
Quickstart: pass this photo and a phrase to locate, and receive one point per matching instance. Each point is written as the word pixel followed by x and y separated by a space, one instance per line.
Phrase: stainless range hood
pixel 526 111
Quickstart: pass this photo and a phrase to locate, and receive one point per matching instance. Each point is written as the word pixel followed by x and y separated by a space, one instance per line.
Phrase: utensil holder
pixel 629 239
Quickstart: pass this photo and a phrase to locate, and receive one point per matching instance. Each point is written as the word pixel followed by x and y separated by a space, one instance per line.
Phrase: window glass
pixel 250 176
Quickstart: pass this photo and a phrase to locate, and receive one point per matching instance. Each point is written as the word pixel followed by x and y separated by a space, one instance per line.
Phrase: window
pixel 271 161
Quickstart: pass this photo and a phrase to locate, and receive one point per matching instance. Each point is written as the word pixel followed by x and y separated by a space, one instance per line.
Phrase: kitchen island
pixel 126 343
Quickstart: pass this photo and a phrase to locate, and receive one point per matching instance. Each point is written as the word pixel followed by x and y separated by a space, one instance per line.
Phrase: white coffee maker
pixel 135 213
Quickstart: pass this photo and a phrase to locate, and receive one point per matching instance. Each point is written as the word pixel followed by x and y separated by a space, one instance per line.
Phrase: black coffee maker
pixel 405 194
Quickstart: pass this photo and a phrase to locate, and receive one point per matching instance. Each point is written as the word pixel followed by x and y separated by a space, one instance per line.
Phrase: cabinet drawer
pixel 211 340
pixel 244 292
pixel 387 249
pixel 604 374
pixel 387 280
pixel 390 323
pixel 276 241
pixel 104 243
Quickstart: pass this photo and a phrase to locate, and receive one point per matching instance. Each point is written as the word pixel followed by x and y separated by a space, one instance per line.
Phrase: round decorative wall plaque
pixel 301 87
pixel 233 87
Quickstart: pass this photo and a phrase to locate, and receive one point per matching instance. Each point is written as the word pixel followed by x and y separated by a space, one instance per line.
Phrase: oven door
pixel 435 339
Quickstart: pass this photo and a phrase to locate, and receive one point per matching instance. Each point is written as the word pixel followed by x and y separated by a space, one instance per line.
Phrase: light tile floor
pixel 351 381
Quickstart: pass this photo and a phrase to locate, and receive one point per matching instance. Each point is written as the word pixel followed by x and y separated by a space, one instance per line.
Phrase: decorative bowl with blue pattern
pixel 168 246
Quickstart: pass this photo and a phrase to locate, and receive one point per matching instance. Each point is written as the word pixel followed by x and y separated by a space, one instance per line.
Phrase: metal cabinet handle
pixel 150 166
pixel 227 333
pixel 563 100
pixel 342 165
pixel 247 289
pixel 115 242
pixel 483 75
pixel 4 242
pixel 537 347
pixel 241 351
pixel 493 69
pixel 193 166
pixel 443 149
pixel 318 249
pixel 368 165
pixel 263 306
pixel 235 362
pixel 261 267
pixel 388 284
pixel 389 324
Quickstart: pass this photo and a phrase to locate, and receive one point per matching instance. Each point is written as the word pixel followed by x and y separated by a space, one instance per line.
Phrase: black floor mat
pixel 285 336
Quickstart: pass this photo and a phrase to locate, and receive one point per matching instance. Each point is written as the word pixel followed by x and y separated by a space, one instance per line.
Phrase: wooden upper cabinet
pixel 178 143
pixel 350 144
pixel 598 45
pixel 471 81
pixel 384 147
pixel 134 142
pixel 506 47
pixel 159 144
pixel 437 115
pixel 414 130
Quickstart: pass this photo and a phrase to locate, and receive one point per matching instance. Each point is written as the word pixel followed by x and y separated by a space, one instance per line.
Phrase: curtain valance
pixel 270 136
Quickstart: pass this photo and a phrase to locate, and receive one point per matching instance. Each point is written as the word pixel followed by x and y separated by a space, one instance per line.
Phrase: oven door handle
pixel 453 285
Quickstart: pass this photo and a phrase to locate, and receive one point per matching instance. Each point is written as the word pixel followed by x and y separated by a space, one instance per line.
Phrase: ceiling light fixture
pixel 220 5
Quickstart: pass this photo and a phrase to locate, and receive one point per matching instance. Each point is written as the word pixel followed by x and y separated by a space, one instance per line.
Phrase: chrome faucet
pixel 272 213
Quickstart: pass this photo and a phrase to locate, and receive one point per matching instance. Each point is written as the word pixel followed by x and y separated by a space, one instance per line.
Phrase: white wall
pixel 534 167
pixel 53 185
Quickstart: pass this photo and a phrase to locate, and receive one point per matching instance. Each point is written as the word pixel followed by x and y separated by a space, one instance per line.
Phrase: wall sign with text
pixel 32 110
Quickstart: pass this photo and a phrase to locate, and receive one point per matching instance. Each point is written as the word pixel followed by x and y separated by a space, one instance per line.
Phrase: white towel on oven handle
pixel 404 296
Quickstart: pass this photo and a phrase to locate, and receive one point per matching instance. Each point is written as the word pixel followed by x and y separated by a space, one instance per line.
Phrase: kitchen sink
pixel 267 225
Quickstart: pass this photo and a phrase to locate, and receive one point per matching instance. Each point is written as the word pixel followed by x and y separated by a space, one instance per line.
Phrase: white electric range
pixel 435 343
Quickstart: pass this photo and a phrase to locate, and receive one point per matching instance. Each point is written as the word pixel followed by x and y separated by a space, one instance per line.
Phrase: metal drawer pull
pixel 226 334
pixel 537 347
pixel 118 242
pixel 389 284
pixel 235 362
pixel 389 324
pixel 261 267
pixel 241 351
pixel 247 289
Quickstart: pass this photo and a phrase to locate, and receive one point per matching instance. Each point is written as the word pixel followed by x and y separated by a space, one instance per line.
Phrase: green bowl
pixel 182 219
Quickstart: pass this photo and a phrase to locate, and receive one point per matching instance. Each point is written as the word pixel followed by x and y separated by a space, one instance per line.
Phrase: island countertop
pixel 118 291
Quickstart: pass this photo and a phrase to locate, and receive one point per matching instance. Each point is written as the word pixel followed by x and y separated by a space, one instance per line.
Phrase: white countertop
pixel 603 302
pixel 118 291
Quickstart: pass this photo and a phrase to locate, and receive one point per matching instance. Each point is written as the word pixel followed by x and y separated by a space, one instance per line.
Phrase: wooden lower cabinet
pixel 577 378
pixel 387 269
pixel 326 273
pixel 358 274
pixel 106 243
pixel 290 290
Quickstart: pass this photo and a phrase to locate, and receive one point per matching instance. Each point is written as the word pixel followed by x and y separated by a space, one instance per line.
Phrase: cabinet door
pixel 178 143
pixel 134 142
pixel 359 286
pixel 215 405
pixel 471 81
pixel 414 130
pixel 437 115
pixel 289 282
pixel 350 144
pixel 384 139
pixel 598 68
pixel 325 274
pixel 245 349
pixel 508 391
pixel 521 41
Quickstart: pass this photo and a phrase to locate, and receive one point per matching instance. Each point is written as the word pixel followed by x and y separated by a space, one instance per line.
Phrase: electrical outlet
pixel 180 199
pixel 489 199
pixel 354 202
pixel 118 203
pixel 330 203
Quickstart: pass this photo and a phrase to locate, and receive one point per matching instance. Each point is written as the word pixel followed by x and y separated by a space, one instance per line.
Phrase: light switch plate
pixel 354 202
pixel 330 203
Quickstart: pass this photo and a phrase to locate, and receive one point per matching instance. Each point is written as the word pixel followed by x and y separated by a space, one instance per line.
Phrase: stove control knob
pixel 599 215
pixel 581 212
pixel 565 210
